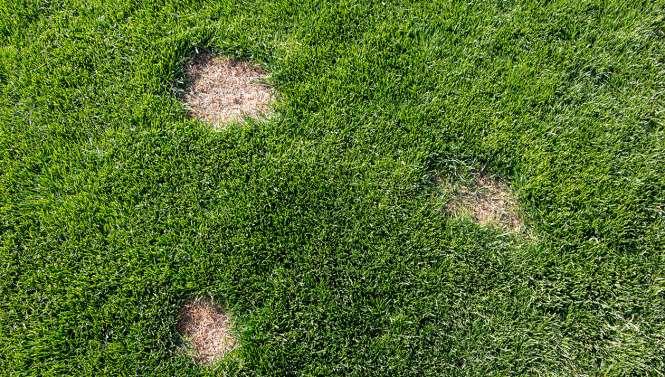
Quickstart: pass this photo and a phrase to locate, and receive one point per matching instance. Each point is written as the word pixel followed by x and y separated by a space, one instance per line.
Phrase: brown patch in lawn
pixel 489 202
pixel 207 328
pixel 223 90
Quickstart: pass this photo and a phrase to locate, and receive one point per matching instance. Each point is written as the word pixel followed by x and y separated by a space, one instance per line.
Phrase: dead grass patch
pixel 207 328
pixel 222 90
pixel 489 202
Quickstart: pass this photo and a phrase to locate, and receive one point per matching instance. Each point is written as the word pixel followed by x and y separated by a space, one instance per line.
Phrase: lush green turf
pixel 321 230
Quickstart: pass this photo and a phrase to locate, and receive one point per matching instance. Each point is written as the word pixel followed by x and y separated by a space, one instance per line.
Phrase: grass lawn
pixel 322 230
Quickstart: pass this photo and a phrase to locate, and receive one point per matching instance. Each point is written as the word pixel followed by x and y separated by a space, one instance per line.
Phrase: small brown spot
pixel 207 328
pixel 489 202
pixel 223 90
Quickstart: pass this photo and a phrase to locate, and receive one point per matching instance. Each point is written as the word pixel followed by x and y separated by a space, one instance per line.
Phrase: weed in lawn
pixel 207 328
pixel 489 202
pixel 223 90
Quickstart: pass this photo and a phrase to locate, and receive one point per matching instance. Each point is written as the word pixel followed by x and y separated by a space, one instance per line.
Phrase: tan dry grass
pixel 207 328
pixel 489 202
pixel 223 90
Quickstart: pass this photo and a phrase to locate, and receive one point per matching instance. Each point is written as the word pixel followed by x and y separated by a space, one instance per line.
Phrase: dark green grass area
pixel 321 229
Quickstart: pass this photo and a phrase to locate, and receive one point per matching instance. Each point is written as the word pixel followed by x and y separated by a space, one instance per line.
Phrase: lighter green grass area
pixel 322 228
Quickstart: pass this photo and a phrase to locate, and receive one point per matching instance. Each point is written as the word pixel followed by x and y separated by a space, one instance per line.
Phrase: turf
pixel 322 229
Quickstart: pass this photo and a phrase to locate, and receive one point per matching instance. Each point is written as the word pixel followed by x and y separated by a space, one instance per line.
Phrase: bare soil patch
pixel 207 328
pixel 223 90
pixel 489 202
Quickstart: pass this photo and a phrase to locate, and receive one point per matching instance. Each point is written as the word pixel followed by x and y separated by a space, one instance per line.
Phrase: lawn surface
pixel 321 230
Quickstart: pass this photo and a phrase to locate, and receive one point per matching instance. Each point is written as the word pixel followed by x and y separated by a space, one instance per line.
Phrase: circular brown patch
pixel 223 90
pixel 489 202
pixel 207 328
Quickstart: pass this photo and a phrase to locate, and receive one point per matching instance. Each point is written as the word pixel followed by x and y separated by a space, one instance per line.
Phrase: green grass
pixel 321 230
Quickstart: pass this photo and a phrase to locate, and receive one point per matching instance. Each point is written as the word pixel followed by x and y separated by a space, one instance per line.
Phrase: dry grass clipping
pixel 223 90
pixel 207 328
pixel 489 202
